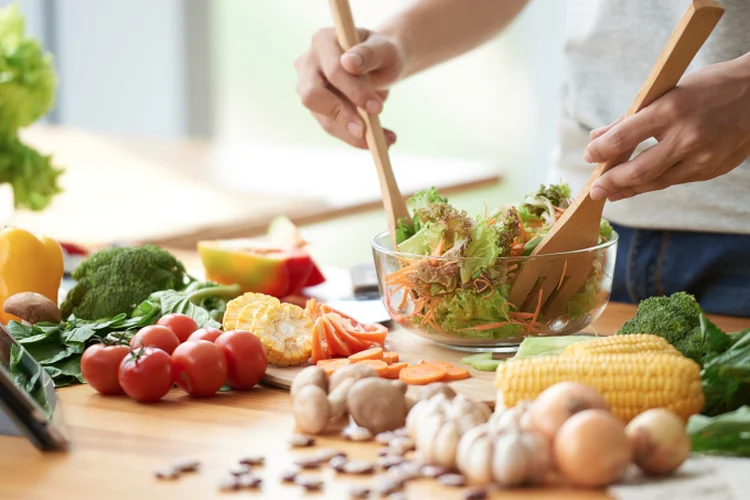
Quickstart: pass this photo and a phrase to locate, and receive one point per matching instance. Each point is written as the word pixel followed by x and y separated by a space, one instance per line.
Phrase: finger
pixel 336 130
pixel 321 100
pixel 680 173
pixel 375 53
pixel 357 90
pixel 598 132
pixel 642 169
pixel 623 137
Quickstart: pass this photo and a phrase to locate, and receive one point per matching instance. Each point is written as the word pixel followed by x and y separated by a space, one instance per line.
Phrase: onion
pixel 591 448
pixel 558 403
pixel 660 442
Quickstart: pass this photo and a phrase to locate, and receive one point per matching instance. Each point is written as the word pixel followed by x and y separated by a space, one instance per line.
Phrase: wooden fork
pixel 393 202
pixel 554 280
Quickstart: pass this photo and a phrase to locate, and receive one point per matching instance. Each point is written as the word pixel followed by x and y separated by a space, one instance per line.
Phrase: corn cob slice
pixel 621 344
pixel 284 329
pixel 236 305
pixel 630 383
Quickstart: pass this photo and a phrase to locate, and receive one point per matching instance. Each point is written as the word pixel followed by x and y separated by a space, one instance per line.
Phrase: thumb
pixel 377 52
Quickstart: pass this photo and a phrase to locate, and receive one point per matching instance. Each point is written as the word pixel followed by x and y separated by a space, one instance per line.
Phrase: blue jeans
pixel 713 267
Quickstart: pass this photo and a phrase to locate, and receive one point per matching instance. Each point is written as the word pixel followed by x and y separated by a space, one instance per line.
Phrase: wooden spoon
pixel 578 228
pixel 393 202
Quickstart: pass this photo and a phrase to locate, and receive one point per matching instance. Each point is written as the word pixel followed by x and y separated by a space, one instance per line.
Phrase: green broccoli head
pixel 115 280
pixel 680 320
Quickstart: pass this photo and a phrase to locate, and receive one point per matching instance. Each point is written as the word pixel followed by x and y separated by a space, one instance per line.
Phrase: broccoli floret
pixel 115 280
pixel 680 320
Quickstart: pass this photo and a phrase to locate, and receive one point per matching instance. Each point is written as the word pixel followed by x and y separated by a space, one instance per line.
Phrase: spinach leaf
pixel 727 434
pixel 726 378
pixel 78 335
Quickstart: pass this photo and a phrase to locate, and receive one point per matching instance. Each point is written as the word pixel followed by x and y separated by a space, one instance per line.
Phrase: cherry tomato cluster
pixel 176 351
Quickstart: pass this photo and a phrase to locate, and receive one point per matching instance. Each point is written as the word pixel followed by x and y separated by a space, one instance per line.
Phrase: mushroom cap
pixel 311 409
pixel 32 307
pixel 312 375
pixel 377 405
pixel 354 371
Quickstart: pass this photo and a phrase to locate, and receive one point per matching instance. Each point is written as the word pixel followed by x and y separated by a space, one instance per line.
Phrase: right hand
pixel 331 86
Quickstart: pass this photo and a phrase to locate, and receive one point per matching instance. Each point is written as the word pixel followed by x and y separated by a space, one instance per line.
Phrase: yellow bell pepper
pixel 28 263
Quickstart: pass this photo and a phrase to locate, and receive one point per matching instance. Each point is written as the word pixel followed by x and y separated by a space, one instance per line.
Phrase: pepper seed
pixel 186 465
pixel 239 471
pixel 253 460
pixel 401 432
pixel 455 480
pixel 406 471
pixel 289 475
pixel 385 437
pixel 327 454
pixel 402 445
pixel 309 483
pixel 166 474
pixel 432 471
pixel 359 467
pixel 358 434
pixel 385 485
pixel 338 463
pixel 249 481
pixel 396 496
pixel 301 441
pixel 229 483
pixel 383 452
pixel 475 494
pixel 359 491
pixel 389 461
pixel 308 462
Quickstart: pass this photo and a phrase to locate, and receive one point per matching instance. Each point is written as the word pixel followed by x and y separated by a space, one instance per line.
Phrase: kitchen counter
pixel 117 444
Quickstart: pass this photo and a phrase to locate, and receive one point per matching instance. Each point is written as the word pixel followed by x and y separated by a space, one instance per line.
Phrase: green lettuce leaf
pixel 482 251
pixel 461 311
pixel 422 243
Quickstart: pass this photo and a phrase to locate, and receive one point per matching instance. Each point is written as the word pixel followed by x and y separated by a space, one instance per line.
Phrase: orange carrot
pixel 444 364
pixel 318 352
pixel 455 373
pixel 390 357
pixel 331 365
pixel 395 369
pixel 422 374
pixel 379 365
pixel 374 353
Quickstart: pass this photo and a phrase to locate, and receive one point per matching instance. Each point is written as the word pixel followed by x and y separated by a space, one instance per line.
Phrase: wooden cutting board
pixel 412 349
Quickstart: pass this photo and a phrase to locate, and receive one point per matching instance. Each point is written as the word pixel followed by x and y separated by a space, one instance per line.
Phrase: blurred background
pixel 156 77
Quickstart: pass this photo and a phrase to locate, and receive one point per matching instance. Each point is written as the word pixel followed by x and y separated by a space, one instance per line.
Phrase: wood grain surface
pixel 117 444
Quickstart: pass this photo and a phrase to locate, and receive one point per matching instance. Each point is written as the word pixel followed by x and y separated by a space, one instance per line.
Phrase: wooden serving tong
pixel 555 280
pixel 393 202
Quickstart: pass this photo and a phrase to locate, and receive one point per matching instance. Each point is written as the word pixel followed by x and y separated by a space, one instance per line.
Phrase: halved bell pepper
pixel 28 263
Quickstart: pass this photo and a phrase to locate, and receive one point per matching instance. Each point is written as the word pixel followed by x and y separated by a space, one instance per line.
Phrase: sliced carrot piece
pixel 444 364
pixel 354 343
pixel 456 373
pixel 380 366
pixel 318 351
pixel 374 335
pixel 333 365
pixel 374 353
pixel 390 357
pixel 395 369
pixel 422 373
pixel 333 361
pixel 335 344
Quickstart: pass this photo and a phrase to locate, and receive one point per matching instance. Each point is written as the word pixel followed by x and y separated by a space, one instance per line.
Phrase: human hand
pixel 331 86
pixel 702 127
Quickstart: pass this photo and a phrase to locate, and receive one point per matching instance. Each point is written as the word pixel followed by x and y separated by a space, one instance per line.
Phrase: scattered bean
pixel 475 494
pixel 327 454
pixel 402 445
pixel 396 496
pixel 301 441
pixel 167 474
pixel 359 491
pixel 385 485
pixel 229 483
pixel 389 461
pixel 382 452
pixel 249 481
pixel 309 483
pixel 385 437
pixel 186 465
pixel 406 471
pixel 432 471
pixel 239 470
pixel 253 460
pixel 308 462
pixel 455 480
pixel 289 475
pixel 401 432
pixel 356 433
pixel 338 463
pixel 359 467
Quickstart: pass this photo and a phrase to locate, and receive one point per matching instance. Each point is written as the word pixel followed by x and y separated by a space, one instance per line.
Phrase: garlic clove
pixel 445 444
pixel 510 461
pixel 477 463
pixel 465 444
pixel 539 450
pixel 430 425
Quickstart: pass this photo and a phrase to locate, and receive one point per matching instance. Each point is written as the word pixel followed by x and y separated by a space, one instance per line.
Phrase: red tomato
pixel 210 334
pixel 246 358
pixel 157 336
pixel 146 374
pixel 180 324
pixel 200 368
pixel 100 365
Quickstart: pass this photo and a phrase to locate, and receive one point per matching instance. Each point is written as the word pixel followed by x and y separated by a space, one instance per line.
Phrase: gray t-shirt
pixel 610 48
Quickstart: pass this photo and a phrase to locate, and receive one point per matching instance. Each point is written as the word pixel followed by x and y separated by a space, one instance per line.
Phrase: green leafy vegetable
pixel 115 280
pixel 548 346
pixel 727 434
pixel 726 378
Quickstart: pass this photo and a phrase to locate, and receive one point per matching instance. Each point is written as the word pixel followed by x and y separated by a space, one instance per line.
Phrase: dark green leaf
pixel 73 350
pixel 78 335
pixel 727 434
pixel 715 339
pixel 726 379
pixel 19 331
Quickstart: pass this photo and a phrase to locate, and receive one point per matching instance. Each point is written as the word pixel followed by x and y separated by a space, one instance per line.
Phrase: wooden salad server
pixel 393 202
pixel 554 280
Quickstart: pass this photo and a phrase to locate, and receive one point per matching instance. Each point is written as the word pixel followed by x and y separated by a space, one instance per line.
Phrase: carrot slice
pixel 331 365
pixel 390 357
pixel 444 364
pixel 335 344
pixel 318 351
pixel 456 373
pixel 422 373
pixel 333 361
pixel 354 343
pixel 374 353
pixel 395 369
pixel 380 366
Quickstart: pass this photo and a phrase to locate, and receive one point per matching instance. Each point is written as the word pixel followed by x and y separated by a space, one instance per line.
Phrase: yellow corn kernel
pixel 621 344
pixel 236 305
pixel 284 329
pixel 630 383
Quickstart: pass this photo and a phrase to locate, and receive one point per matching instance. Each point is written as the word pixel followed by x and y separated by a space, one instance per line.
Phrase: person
pixel 680 204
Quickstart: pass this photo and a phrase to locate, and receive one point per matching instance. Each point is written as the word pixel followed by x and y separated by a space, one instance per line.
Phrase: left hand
pixel 702 127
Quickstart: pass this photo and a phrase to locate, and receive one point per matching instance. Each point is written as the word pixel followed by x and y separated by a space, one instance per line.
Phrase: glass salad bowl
pixel 429 297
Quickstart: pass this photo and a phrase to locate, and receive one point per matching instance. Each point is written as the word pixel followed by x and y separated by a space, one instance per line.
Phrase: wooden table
pixel 117 444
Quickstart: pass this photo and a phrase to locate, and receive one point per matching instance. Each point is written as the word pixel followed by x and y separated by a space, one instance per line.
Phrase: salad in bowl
pixel 449 277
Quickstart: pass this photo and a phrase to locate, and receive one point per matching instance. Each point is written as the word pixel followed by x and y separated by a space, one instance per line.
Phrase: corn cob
pixel 621 344
pixel 236 305
pixel 630 383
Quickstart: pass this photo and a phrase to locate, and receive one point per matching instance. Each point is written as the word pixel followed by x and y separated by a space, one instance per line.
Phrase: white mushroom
pixel 311 409
pixel 312 375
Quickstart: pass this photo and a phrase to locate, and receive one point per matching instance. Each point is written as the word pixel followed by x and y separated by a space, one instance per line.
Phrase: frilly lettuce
pixel 462 311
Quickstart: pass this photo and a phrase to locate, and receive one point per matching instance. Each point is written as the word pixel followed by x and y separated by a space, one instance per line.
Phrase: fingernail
pixel 354 59
pixel 355 129
pixel 616 197
pixel 373 106
pixel 597 193
pixel 587 156
pixel 390 136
